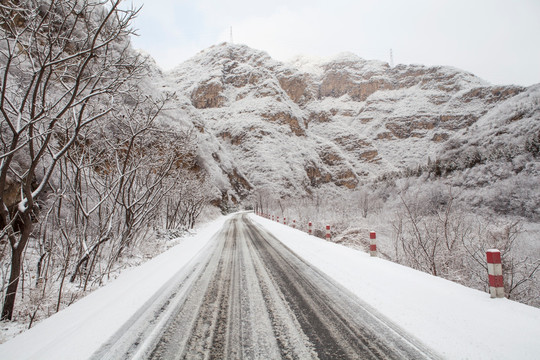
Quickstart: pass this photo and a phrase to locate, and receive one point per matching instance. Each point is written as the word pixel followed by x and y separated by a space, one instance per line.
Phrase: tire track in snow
pixel 253 298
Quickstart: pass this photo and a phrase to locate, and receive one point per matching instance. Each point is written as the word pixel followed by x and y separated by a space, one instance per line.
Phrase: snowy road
pixel 248 296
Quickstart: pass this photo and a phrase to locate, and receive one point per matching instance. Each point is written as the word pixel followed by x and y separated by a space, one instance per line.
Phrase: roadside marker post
pixel 310 228
pixel 372 243
pixel 496 283
pixel 328 232
pixel 294 224
pixel 285 221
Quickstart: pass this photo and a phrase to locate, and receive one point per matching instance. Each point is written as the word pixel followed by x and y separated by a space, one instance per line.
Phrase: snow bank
pixel 455 321
pixel 79 330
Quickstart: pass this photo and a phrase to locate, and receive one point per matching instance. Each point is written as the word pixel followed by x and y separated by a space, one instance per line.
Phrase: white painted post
pixel 496 283
pixel 328 232
pixel 372 243
pixel 310 232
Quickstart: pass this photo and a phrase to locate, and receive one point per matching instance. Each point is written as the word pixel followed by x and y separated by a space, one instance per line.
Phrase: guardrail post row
pixel 496 283
pixel 328 232
pixel 372 243
pixel 310 230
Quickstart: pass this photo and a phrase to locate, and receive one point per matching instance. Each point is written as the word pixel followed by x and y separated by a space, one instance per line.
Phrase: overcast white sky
pixel 496 40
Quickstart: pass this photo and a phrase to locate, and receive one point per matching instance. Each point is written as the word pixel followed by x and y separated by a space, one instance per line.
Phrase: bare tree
pixel 429 233
pixel 62 63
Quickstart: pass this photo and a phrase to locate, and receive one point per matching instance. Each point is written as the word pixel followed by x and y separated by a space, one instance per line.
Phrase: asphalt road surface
pixel 247 296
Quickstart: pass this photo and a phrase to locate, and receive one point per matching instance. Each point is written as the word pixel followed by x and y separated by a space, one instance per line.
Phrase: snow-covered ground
pixel 80 330
pixel 457 322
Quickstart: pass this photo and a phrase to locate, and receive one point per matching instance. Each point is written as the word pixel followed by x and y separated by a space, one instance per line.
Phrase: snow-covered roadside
pixel 455 321
pixel 79 330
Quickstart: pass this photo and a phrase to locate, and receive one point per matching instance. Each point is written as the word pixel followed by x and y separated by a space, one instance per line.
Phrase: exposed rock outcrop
pixel 208 95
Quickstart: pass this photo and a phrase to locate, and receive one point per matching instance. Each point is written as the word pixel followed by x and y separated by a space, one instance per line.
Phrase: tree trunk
pixel 9 300
pixel 17 249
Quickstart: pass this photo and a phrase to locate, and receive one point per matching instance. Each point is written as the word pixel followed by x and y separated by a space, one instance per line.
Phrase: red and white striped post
pixel 294 224
pixel 496 283
pixel 285 221
pixel 273 217
pixel 328 232
pixel 310 225
pixel 277 219
pixel 372 243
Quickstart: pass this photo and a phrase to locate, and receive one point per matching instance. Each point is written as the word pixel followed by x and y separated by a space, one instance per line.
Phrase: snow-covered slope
pixel 290 127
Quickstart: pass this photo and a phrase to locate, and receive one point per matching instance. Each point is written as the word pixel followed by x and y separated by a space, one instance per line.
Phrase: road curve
pixel 250 297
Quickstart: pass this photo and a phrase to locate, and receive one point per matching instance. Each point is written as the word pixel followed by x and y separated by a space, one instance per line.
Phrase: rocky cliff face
pixel 292 127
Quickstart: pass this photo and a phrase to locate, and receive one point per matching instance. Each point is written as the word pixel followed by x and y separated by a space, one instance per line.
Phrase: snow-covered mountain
pixel 291 127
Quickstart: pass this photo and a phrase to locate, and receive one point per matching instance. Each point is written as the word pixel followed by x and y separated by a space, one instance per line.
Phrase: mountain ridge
pixel 293 127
